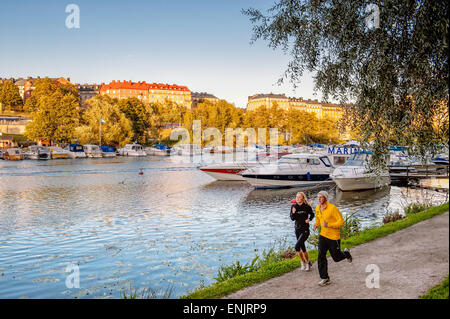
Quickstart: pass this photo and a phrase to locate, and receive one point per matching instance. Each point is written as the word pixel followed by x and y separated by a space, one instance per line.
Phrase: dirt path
pixel 410 261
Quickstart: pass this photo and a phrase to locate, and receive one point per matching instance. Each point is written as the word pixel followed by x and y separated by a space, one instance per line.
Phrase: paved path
pixel 411 261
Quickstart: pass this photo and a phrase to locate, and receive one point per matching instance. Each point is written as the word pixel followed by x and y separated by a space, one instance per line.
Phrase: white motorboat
pixel 186 150
pixel 36 152
pixel 229 171
pixel 76 151
pixel 132 150
pixel 13 154
pixel 108 151
pixel 354 174
pixel 293 170
pixel 58 152
pixel 92 151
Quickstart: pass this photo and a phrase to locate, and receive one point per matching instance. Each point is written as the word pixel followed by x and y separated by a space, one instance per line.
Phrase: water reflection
pixel 172 225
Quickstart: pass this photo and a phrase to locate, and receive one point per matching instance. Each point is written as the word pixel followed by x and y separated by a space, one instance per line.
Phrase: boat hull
pixel 224 174
pixel 361 183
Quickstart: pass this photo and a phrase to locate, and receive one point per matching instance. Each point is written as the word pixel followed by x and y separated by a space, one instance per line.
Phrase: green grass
pixel 223 288
pixel 438 292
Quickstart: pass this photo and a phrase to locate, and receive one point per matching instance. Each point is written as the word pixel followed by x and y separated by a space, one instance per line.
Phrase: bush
pixel 414 208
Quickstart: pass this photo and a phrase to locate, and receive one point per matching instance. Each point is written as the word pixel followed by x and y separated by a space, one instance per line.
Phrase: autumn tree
pixel 117 129
pixel 389 59
pixel 10 97
pixel 140 116
pixel 54 112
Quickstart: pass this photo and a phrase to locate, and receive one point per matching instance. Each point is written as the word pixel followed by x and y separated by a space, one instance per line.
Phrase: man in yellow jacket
pixel 329 219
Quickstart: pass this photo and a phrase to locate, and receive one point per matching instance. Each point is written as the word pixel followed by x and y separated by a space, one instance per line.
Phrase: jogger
pixel 302 213
pixel 329 219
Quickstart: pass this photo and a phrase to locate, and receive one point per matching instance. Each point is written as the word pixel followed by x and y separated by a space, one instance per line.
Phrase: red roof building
pixel 148 92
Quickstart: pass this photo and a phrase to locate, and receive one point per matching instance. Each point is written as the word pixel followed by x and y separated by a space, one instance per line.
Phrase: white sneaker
pixel 324 282
pixel 308 267
pixel 303 266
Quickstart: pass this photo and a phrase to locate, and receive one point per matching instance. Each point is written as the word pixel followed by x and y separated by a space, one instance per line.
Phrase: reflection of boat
pixel 353 175
pixel 132 150
pixel 13 154
pixel 92 151
pixel 75 151
pixel 294 170
pixel 36 152
pixel 229 171
pixel 108 151
pixel 368 195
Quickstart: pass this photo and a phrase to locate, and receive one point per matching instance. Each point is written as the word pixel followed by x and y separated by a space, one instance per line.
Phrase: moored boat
pixel 58 152
pixel 132 150
pixel 294 170
pixel 13 154
pixel 36 152
pixel 75 151
pixel 92 151
pixel 354 174
pixel 108 151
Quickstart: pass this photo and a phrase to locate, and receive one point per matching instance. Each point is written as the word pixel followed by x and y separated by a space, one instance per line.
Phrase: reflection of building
pixel 320 109
pixel 198 97
pixel 87 91
pixel 148 92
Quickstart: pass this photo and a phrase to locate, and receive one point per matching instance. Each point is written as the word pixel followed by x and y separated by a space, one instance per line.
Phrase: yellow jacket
pixel 333 217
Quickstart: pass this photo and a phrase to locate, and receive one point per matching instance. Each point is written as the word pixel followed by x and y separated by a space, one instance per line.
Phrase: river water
pixel 173 226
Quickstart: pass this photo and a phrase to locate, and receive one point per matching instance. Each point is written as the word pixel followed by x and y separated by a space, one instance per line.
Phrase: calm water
pixel 171 227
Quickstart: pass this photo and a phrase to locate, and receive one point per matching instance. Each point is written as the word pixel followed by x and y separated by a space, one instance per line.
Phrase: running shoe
pixel 347 252
pixel 324 282
pixel 303 266
pixel 308 266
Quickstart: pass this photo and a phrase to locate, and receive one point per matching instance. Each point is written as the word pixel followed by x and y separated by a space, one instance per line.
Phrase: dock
pixel 414 173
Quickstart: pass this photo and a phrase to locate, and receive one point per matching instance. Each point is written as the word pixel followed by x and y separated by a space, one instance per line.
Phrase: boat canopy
pixel 107 149
pixel 76 148
pixel 162 147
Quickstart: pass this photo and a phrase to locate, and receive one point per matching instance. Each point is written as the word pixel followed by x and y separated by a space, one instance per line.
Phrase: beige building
pixel 320 109
pixel 198 97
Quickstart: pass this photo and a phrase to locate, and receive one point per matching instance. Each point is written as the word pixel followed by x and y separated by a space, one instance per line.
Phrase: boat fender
pixel 308 176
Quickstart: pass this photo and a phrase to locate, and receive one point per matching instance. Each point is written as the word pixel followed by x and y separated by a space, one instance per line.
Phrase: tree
pixel 10 97
pixel 55 115
pixel 388 59
pixel 139 115
pixel 117 129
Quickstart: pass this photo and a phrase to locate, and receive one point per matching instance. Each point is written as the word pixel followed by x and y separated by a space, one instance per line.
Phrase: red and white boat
pixel 229 171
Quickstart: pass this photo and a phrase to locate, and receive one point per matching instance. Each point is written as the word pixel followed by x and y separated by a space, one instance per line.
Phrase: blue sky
pixel 203 44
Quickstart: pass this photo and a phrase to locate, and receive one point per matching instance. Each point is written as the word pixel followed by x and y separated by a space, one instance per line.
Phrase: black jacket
pixel 302 213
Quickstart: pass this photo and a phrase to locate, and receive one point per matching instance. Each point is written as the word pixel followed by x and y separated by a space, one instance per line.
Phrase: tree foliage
pixel 54 112
pixel 117 129
pixel 10 97
pixel 393 71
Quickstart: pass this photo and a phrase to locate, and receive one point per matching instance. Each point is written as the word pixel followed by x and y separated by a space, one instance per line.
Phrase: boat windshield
pixel 76 148
pixel 304 160
pixel 356 160
pixel 136 148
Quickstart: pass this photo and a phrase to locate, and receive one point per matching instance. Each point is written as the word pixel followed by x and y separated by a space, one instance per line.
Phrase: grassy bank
pixel 271 270
pixel 440 291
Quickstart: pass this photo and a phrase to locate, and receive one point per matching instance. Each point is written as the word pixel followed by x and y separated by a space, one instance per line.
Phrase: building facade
pixel 87 91
pixel 26 86
pixel 198 97
pixel 148 92
pixel 320 109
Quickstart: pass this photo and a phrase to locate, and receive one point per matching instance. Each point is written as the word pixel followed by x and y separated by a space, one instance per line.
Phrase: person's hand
pixel 293 210
pixel 325 224
pixel 307 221
pixel 315 227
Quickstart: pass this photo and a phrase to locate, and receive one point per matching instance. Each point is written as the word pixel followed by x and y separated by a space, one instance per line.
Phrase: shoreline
pixel 238 283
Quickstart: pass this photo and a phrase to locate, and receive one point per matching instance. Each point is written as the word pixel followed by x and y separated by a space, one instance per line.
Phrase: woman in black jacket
pixel 302 213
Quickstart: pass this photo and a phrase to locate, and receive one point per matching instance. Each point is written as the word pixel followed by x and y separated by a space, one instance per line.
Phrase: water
pixel 171 227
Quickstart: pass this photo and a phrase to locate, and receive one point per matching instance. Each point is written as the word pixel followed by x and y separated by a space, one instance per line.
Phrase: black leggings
pixel 334 247
pixel 302 236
